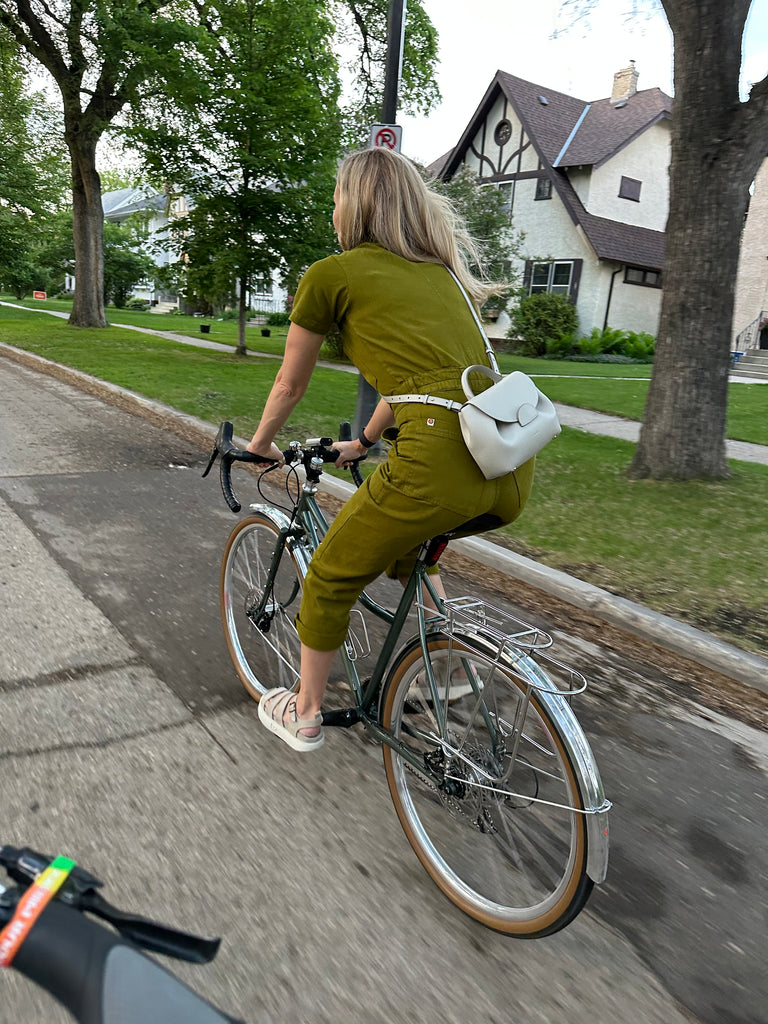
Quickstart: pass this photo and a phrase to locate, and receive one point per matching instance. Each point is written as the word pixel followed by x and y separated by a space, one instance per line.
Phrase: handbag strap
pixel 446 403
pixel 488 346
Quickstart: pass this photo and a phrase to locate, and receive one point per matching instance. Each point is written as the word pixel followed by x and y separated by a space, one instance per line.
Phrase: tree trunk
pixel 683 432
pixel 88 224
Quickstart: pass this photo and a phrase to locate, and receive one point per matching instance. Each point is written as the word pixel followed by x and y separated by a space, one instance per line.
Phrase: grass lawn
pixel 616 389
pixel 694 550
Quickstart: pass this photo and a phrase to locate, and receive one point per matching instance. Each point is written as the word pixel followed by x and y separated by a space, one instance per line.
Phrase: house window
pixel 263 285
pixel 506 190
pixel 502 133
pixel 647 278
pixel 556 276
pixel 543 188
pixel 630 189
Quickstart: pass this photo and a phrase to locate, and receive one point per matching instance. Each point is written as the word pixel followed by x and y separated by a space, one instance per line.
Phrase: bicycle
pixel 99 975
pixel 490 773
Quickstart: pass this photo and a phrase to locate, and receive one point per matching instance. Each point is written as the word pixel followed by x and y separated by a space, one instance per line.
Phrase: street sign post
pixel 389 135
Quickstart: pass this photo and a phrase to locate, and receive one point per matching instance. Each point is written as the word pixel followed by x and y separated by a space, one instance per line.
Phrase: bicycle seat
pixel 479 524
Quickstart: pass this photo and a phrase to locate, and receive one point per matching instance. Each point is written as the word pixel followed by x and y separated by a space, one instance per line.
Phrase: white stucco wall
pixel 633 307
pixel 489 158
pixel 646 160
pixel 752 279
pixel 581 179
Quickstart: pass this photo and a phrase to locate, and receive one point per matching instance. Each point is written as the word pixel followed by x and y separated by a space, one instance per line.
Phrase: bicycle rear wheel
pixel 489 798
pixel 258 609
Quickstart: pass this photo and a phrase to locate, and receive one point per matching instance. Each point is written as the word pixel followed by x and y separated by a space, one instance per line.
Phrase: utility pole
pixel 367 397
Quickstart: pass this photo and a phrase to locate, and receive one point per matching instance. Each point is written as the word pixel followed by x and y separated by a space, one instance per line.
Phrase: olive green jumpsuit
pixel 408 329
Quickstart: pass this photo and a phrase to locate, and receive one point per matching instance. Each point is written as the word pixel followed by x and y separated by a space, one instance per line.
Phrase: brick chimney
pixel 625 83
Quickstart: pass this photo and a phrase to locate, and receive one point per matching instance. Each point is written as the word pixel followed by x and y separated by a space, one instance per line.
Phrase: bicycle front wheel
pixel 485 789
pixel 259 601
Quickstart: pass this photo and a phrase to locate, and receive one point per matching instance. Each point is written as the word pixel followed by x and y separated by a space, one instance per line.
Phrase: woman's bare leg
pixel 315 669
pixel 437 582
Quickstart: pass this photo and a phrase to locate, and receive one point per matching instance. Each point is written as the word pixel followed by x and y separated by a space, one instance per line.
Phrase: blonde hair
pixel 382 198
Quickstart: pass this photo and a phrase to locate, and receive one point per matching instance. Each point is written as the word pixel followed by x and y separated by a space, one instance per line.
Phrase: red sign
pixel 39 295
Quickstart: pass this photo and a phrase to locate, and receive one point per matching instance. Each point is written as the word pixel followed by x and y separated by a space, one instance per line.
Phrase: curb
pixel 673 635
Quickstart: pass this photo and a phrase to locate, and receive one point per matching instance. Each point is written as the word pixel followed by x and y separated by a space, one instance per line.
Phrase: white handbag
pixel 506 424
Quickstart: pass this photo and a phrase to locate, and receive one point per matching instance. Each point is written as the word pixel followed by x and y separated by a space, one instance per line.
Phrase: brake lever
pixel 24 865
pixel 151 935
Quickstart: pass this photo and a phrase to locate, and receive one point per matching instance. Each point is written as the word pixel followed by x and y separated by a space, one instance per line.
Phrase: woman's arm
pixel 382 418
pixel 301 350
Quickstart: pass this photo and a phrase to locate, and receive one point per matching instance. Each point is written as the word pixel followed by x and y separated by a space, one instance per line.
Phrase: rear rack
pixel 515 640
pixel 472 613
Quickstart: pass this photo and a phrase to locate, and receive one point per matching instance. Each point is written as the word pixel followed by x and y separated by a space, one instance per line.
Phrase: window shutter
pixel 527 275
pixel 575 279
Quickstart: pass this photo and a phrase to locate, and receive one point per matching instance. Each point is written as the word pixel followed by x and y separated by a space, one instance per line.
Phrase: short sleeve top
pixel 400 321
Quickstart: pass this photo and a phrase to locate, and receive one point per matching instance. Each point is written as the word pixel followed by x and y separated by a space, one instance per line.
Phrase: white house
pixel 750 315
pixel 268 295
pixel 587 184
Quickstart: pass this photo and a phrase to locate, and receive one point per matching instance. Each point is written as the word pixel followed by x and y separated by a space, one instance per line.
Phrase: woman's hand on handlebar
pixel 272 455
pixel 349 452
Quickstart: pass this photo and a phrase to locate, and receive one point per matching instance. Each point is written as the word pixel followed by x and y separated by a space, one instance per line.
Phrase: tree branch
pixel 38 41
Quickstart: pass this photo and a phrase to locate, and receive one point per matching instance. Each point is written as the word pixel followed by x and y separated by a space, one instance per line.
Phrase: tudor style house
pixel 586 183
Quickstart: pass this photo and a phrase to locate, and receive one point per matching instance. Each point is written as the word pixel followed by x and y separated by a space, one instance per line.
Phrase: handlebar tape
pixel 225 447
pixel 101 979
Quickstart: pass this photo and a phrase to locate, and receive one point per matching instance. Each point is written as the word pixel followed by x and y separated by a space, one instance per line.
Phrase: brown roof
pixel 624 243
pixel 607 127
pixel 548 124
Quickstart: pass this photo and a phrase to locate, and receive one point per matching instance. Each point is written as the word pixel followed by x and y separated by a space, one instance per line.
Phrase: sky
pixel 528 38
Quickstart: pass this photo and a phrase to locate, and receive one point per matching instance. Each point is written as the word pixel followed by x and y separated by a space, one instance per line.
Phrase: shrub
pixel 137 304
pixel 539 319
pixel 332 348
pixel 591 345
pixel 640 346
pixel 562 347
pixel 612 342
pixel 278 319
pixel 603 357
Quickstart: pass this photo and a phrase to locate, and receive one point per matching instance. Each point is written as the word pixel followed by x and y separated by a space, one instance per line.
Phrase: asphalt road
pixel 128 743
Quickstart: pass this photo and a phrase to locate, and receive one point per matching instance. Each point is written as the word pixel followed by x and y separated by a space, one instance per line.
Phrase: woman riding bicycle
pixel 407 327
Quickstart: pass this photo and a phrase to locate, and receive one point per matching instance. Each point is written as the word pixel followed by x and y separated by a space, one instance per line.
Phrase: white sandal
pixel 277 710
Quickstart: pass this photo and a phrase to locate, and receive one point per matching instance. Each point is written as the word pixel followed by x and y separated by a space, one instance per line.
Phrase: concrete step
pixel 755 372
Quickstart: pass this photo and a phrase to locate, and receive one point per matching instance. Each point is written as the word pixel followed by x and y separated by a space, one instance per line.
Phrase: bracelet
pixel 364 440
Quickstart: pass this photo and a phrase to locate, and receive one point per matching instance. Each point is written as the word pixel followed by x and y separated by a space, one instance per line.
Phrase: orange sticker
pixel 30 907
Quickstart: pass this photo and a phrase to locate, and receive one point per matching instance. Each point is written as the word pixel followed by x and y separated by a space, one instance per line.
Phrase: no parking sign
pixel 387 135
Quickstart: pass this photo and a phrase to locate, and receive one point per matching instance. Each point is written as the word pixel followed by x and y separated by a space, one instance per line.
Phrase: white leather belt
pixel 423 400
